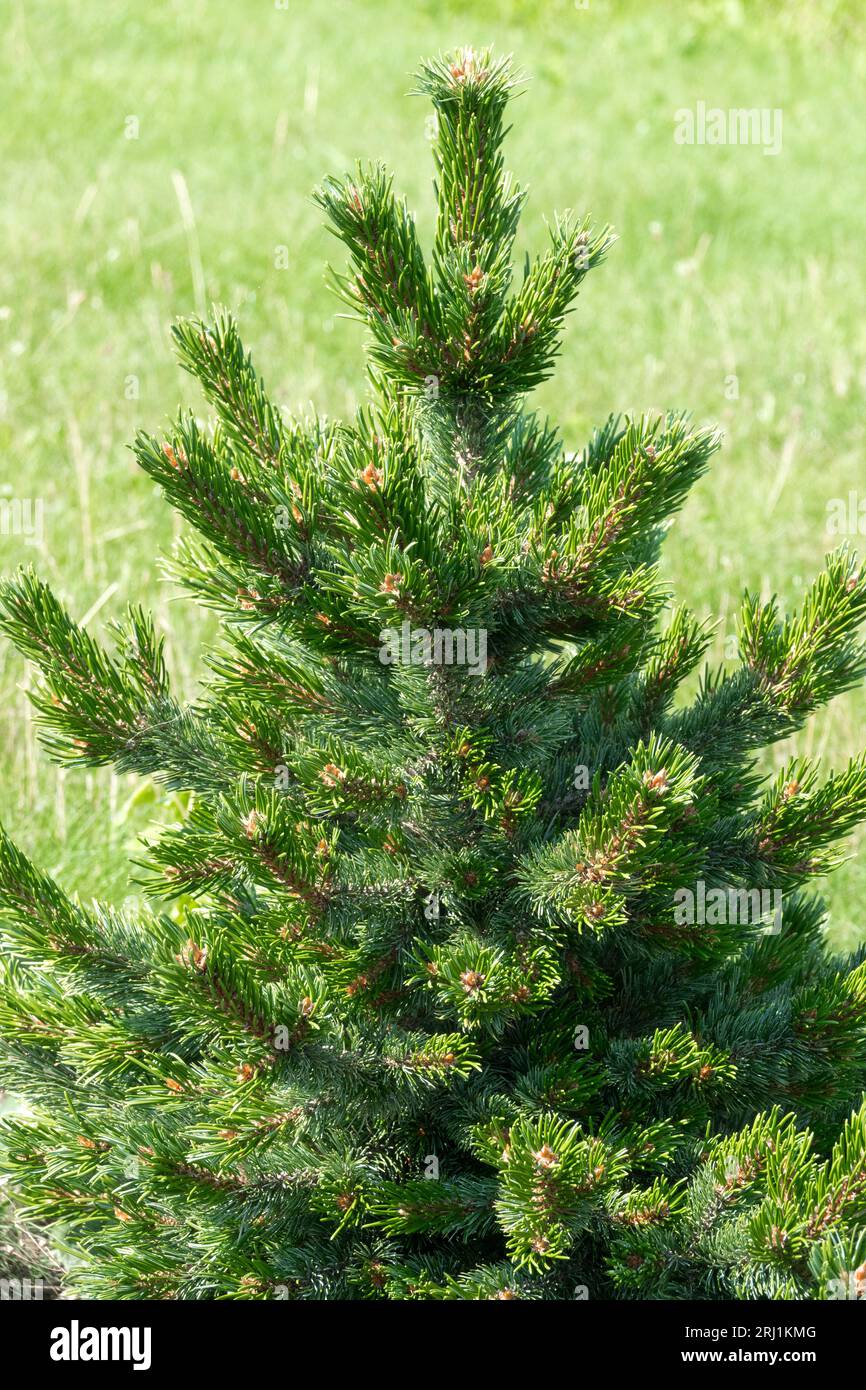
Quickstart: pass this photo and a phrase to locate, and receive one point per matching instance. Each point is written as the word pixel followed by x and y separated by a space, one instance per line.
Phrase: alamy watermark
pixel 722 906
pixel 710 125
pixel 77 1343
pixel 21 1290
pixel 846 517
pixel 848 1284
pixel 22 516
pixel 438 646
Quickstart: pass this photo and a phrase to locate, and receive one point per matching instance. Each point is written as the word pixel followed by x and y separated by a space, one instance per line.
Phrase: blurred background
pixel 160 157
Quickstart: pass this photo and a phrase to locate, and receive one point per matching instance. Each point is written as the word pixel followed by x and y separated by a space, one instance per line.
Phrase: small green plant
pixel 494 974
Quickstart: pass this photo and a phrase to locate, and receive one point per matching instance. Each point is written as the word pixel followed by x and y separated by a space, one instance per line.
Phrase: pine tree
pixel 482 964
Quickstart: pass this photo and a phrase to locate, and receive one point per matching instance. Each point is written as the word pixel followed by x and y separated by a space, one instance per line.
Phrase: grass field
pixel 156 158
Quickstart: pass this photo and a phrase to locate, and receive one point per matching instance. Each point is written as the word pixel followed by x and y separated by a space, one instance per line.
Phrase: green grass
pixel 729 263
